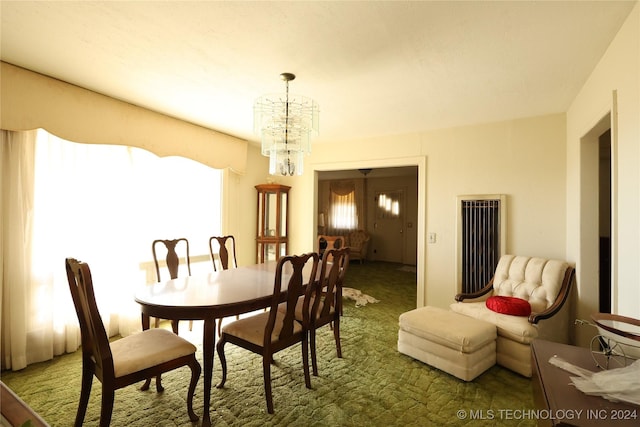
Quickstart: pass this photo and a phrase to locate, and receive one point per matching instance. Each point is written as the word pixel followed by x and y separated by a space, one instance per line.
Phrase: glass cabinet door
pixel 273 205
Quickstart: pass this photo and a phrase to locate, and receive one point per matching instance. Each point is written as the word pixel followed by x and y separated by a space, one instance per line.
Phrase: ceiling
pixel 375 68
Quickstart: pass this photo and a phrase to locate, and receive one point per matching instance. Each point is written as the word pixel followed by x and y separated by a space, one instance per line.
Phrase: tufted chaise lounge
pixel 545 284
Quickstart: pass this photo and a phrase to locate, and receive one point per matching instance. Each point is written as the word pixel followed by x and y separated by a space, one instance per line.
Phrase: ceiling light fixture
pixel 284 126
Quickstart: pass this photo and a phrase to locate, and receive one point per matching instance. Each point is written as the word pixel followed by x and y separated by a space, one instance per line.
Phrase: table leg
pixel 208 351
pixel 145 322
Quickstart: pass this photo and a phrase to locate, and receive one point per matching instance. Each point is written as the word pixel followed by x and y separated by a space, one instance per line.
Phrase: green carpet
pixel 372 385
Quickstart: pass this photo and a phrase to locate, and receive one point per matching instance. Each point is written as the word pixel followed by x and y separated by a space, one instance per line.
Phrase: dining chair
pixel 172 261
pixel 223 248
pixel 125 361
pixel 329 242
pixel 327 299
pixel 269 332
pixel 325 307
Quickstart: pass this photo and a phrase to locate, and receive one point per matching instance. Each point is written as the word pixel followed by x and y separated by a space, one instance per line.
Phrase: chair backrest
pixel 225 249
pixel 95 342
pixel 330 242
pixel 328 290
pixel 536 280
pixel 172 259
pixel 357 239
pixel 291 268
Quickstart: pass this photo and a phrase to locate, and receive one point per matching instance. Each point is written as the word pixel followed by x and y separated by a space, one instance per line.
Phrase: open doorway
pixel 604 226
pixel 391 225
pixel 596 272
pixel 419 163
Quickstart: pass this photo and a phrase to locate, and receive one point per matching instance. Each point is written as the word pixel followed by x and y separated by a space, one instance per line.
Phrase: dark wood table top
pixel 216 294
pixel 566 405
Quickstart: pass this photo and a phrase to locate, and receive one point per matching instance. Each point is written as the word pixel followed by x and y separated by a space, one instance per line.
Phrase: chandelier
pixel 285 123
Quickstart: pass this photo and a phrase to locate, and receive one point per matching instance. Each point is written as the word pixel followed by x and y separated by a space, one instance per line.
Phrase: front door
pixel 389 226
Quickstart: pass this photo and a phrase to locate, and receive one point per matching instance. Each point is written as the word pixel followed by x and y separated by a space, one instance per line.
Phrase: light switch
pixel 432 237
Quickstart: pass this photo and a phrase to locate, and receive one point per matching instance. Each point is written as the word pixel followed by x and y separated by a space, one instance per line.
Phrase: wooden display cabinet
pixel 273 226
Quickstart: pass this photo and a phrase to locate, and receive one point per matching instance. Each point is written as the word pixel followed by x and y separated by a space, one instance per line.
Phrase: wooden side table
pixel 15 412
pixel 560 403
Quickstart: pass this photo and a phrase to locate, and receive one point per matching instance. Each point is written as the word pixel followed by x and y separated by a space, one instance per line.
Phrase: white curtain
pixel 17 153
pixel 101 204
pixel 346 206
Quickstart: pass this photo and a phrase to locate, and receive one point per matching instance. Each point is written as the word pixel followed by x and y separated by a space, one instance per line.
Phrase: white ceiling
pixel 375 68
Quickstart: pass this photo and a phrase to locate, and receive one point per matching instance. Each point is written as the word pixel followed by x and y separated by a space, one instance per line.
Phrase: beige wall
pixel 240 215
pixel 609 98
pixel 524 159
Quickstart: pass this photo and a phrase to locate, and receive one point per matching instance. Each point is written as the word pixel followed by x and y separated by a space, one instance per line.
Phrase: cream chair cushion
pixel 148 348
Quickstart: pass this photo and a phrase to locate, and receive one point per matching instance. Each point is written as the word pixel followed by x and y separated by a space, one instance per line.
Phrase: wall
pixel 240 214
pixel 524 159
pixel 612 89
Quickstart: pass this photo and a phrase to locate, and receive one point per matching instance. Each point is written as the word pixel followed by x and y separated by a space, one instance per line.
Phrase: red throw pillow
pixel 509 305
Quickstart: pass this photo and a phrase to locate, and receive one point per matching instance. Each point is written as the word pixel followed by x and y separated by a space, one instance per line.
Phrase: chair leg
pixel 266 369
pixel 85 392
pixel 223 360
pixel 314 362
pixel 195 374
pixel 107 407
pixel 159 387
pixel 336 335
pixel 305 361
pixel 190 325
pixel 220 327
pixel 147 384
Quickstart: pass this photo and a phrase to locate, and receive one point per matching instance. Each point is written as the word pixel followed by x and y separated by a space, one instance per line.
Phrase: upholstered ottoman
pixel 457 344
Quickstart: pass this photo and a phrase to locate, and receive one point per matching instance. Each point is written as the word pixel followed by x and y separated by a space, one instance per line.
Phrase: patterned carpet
pixel 373 385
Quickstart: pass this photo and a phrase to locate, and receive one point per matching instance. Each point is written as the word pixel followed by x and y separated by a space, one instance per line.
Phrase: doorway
pixel 604 225
pixel 389 209
pixel 417 197
pixel 595 278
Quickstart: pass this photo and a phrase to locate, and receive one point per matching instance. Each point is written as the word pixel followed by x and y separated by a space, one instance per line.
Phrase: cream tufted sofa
pixel 545 284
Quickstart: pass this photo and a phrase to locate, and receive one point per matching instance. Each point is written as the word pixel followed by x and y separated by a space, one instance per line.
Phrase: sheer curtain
pixel 17 154
pixel 101 204
pixel 346 208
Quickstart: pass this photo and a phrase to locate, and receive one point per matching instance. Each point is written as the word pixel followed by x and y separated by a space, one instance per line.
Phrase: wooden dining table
pixel 209 297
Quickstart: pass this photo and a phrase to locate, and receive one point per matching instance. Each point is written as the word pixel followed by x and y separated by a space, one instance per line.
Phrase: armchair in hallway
pixel 358 241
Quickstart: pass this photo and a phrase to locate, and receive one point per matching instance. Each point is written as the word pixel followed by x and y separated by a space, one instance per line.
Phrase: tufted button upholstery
pixel 536 280
pixel 358 241
pixel 545 284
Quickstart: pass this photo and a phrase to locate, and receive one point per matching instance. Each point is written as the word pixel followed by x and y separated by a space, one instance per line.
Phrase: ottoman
pixel 457 344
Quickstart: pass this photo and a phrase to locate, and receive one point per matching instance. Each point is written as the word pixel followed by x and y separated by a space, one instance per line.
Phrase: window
pixel 343 214
pixel 388 205
pixel 105 204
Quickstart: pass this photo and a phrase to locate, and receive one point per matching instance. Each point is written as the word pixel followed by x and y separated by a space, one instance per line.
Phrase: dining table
pixel 208 297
